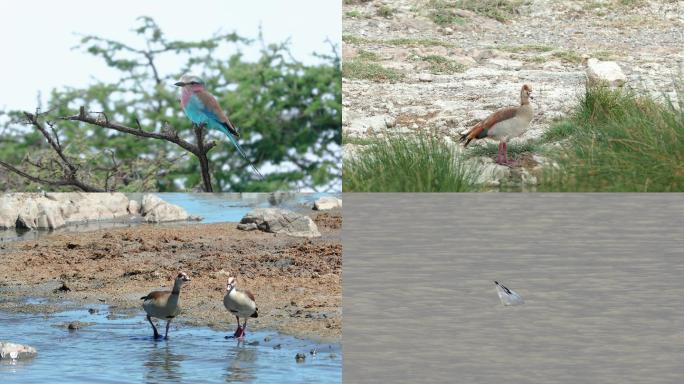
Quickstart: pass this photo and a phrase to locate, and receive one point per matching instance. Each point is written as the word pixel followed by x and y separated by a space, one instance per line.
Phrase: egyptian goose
pixel 164 304
pixel 241 304
pixel 504 124
pixel 507 296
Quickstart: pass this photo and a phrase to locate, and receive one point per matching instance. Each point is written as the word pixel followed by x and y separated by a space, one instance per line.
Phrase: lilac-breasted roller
pixel 202 108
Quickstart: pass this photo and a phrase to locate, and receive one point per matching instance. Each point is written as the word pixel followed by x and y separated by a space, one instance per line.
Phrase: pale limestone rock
pixel 16 351
pixel 327 203
pixel 608 72
pixel 156 210
pixel 133 207
pixel 277 220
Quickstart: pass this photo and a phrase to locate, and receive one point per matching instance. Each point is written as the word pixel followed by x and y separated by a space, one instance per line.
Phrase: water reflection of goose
pixel 242 365
pixel 507 296
pixel 163 365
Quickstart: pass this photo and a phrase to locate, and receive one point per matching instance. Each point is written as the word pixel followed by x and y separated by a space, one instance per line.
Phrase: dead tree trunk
pixel 203 159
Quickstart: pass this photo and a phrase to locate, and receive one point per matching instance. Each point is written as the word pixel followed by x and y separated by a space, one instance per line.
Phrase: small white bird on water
pixel 507 296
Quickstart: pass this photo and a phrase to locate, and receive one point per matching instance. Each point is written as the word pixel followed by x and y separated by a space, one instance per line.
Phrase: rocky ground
pixel 444 76
pixel 296 281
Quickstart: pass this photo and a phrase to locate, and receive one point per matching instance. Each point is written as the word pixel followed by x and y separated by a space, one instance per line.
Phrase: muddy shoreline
pixel 297 282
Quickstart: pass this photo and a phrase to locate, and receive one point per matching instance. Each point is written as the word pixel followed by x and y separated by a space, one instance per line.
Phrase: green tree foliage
pixel 289 115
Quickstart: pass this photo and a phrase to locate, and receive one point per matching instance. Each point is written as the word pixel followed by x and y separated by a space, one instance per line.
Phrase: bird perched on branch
pixel 202 109
pixel 504 124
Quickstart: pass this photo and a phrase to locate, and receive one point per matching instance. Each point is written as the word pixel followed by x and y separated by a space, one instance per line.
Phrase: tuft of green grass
pixel 418 42
pixel 419 163
pixel 368 55
pixel 569 56
pixel 605 55
pixel 351 39
pixel 536 59
pixel 559 131
pixel 525 48
pixel 346 139
pixel 620 142
pixel 514 151
pixel 409 42
pixel 501 10
pixel 441 65
pixel 386 11
pixel 361 69
pixel 444 14
pixel 353 14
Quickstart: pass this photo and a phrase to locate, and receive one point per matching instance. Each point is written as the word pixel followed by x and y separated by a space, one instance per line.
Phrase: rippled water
pixel 212 207
pixel 602 276
pixel 120 350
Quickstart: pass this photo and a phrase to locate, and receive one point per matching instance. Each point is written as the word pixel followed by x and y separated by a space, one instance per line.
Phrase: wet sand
pixel 296 281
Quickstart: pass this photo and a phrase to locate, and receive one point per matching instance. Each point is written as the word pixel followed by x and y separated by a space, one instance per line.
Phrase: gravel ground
pixel 485 62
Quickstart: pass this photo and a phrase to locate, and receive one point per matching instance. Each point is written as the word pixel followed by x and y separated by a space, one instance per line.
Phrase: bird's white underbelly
pixel 508 128
pixel 160 312
pixel 237 308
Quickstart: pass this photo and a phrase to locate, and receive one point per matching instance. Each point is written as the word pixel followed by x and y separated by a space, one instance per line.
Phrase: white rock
pixel 54 210
pixel 605 71
pixel 16 351
pixel 277 220
pixel 489 173
pixel 327 203
pixel 425 77
pixel 527 178
pixel 248 226
pixel 156 210
pixel 133 207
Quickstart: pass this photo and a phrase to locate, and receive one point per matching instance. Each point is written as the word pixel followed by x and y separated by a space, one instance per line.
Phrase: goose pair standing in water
pixel 165 305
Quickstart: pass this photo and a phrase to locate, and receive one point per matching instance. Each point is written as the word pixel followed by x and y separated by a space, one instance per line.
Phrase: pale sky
pixel 36 37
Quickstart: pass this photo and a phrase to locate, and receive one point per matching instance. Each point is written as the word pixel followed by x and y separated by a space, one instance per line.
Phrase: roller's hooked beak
pixel 180 84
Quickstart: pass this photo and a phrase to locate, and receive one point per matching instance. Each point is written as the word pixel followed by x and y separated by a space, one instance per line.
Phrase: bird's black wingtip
pixel 232 130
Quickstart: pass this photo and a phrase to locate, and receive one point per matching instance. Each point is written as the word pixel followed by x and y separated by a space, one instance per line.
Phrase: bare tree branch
pixel 200 149
pixel 57 183
pixel 54 143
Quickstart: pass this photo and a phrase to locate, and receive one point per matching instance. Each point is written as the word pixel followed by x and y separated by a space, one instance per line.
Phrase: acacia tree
pixel 132 135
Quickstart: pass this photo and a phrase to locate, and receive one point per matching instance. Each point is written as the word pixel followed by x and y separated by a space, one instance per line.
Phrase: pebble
pixel 425 77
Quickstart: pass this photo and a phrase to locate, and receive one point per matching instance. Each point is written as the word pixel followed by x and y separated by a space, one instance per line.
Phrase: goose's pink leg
pixel 500 155
pixel 510 163
pixel 238 331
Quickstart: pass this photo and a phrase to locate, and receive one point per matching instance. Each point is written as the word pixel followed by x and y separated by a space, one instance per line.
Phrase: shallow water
pixel 121 350
pixel 212 207
pixel 602 276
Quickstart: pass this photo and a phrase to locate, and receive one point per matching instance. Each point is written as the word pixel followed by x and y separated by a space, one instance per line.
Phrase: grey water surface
pixel 602 276
pixel 122 350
